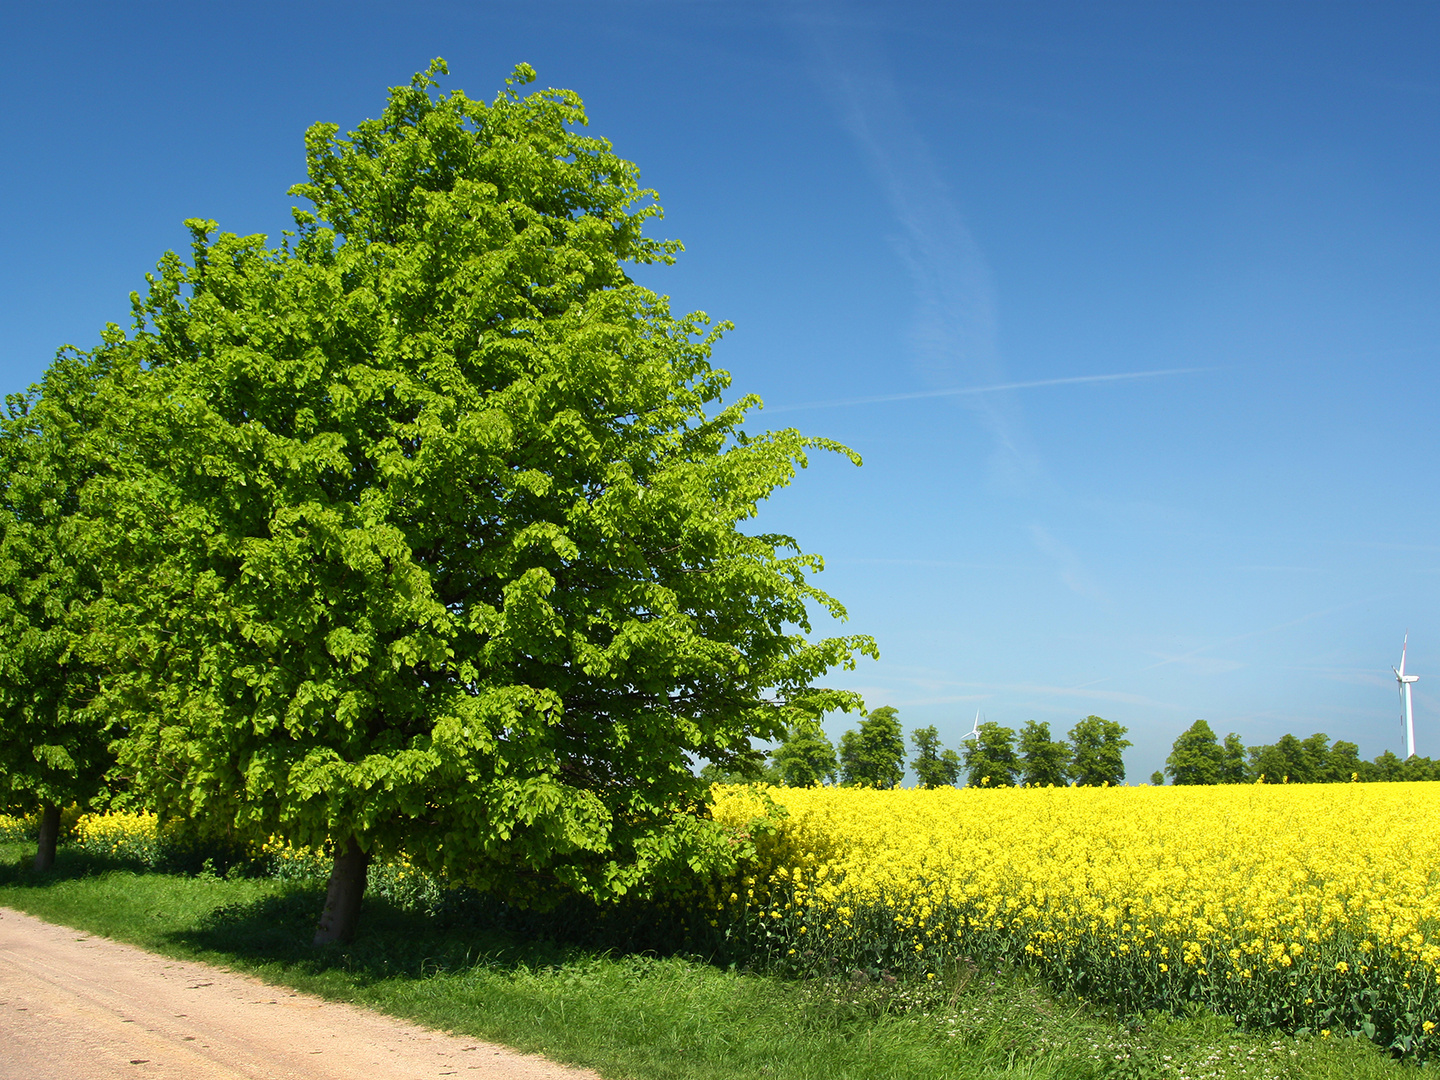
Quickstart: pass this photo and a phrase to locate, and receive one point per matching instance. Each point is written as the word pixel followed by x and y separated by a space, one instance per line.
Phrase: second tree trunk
pixel 49 837
pixel 342 898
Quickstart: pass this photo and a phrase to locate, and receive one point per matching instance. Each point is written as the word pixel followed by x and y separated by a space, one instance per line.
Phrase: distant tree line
pixel 1090 756
pixel 1199 757
pixel 874 756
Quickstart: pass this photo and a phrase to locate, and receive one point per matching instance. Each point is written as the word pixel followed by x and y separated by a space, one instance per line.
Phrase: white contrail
pixel 959 391
pixel 954 334
pixel 1242 637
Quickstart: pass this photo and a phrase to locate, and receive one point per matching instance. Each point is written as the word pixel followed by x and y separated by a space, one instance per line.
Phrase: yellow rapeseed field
pixel 1284 903
pixel 1303 907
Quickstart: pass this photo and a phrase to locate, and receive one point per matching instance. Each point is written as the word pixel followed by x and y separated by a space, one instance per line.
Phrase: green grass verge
pixel 643 1017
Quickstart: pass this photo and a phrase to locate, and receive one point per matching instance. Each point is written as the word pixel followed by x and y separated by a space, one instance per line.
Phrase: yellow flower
pixel 1264 879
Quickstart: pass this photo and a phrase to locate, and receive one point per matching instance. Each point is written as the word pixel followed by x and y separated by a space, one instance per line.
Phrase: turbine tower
pixel 1405 681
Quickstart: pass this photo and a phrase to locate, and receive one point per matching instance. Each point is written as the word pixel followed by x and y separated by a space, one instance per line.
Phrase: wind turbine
pixel 974 732
pixel 1405 681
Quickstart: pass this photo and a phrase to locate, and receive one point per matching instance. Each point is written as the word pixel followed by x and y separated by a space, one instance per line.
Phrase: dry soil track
pixel 78 1007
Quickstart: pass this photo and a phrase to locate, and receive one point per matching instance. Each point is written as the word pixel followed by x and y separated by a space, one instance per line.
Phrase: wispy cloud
pixel 1193 654
pixel 1348 676
pixel 938 564
pixel 954 336
pixel 1309 617
pixel 994 388
pixel 1072 571
pixel 1204 665
pixel 1098 695
pixel 915 697
pixel 1384 545
pixel 924 688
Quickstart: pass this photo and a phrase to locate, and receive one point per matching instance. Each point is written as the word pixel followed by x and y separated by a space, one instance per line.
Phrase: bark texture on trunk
pixel 342 898
pixel 49 837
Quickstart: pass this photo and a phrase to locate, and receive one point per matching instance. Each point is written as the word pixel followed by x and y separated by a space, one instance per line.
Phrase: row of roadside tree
pixel 873 755
pixel 1198 756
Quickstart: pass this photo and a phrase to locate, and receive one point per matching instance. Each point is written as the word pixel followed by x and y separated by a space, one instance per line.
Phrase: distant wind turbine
pixel 1405 681
pixel 974 732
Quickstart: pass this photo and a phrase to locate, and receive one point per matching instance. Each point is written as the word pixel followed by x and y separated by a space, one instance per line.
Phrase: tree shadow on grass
pixel 180 854
pixel 391 942
pixel 69 863
pixel 451 932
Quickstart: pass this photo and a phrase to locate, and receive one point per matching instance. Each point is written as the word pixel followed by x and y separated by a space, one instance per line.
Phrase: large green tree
pixel 1196 757
pixel 1316 753
pixel 874 756
pixel 990 759
pixel 428 537
pixel 1386 767
pixel 933 765
pixel 1288 760
pixel 1313 760
pixel 1044 761
pixel 1345 763
pixel 805 756
pixel 1098 752
pixel 752 769
pixel 53 746
pixel 1232 760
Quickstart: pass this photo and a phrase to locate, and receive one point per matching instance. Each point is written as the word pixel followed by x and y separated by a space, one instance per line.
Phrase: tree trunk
pixel 342 899
pixel 49 837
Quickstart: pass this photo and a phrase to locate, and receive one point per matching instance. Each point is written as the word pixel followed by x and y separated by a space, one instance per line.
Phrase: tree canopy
pixel 1043 761
pixel 990 759
pixel 53 747
pixel 1098 754
pixel 1232 760
pixel 1196 756
pixel 874 756
pixel 427 532
pixel 805 756
pixel 933 765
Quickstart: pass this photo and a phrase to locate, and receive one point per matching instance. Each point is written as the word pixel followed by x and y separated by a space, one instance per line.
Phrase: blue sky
pixel 894 202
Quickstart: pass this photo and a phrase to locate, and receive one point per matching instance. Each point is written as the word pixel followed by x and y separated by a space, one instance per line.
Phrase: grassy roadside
pixel 648 1018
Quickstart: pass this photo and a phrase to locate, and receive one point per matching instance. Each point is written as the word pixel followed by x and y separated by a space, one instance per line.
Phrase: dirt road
pixel 77 1007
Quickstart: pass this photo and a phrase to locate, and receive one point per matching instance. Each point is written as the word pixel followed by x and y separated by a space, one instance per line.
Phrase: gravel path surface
pixel 78 1007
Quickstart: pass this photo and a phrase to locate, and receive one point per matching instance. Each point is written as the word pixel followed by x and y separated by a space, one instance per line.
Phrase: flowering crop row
pixel 139 839
pixel 1302 906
